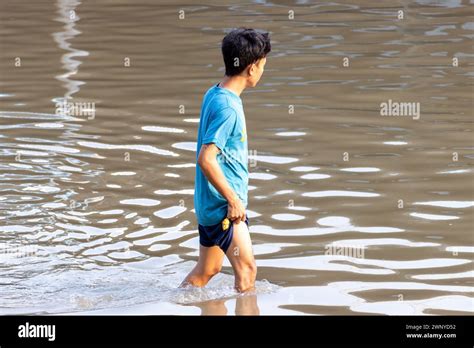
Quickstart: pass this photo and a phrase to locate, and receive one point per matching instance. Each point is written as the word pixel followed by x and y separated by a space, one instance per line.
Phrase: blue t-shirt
pixel 222 122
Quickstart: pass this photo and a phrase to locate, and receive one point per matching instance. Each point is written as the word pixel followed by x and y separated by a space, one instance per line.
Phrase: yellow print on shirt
pixel 244 135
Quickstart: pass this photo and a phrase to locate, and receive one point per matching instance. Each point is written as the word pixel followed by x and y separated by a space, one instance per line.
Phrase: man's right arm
pixel 207 161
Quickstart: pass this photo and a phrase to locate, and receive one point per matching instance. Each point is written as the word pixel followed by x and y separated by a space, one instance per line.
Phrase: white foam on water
pixel 304 169
pixel 455 171
pixel 130 173
pixel 273 159
pixel 160 129
pixel 290 134
pixel 262 176
pixel 187 146
pixel 175 192
pixel 448 204
pixel 438 276
pixel 222 287
pixel 314 176
pixel 361 169
pixel 460 249
pixel 144 202
pixel 170 212
pixel 191 120
pixel 396 143
pixel 287 217
pixel 328 262
pixel 339 193
pixel 434 216
pixel 384 241
pixel 144 148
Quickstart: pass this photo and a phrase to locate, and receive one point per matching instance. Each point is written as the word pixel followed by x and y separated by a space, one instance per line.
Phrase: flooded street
pixel 351 211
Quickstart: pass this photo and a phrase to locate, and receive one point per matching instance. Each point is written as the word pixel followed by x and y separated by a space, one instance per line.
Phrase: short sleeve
pixel 220 127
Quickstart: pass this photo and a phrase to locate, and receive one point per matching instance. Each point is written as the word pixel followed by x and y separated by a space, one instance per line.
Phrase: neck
pixel 236 84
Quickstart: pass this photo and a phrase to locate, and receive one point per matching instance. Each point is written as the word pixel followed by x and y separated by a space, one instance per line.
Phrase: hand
pixel 236 210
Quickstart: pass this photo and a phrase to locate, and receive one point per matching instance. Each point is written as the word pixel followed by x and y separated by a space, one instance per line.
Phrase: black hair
pixel 242 47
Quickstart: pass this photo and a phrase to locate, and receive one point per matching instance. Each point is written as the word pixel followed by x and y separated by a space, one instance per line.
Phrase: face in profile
pixel 255 72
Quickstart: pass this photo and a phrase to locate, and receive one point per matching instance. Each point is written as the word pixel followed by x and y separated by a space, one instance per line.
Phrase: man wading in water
pixel 220 195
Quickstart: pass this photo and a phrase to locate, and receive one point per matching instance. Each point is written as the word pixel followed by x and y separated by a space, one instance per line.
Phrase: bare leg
pixel 209 264
pixel 213 307
pixel 247 305
pixel 241 257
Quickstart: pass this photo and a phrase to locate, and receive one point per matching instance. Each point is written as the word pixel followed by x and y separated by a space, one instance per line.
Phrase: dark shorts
pixel 215 235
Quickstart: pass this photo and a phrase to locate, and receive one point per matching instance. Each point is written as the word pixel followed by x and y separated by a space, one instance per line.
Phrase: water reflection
pixel 244 305
pixel 67 14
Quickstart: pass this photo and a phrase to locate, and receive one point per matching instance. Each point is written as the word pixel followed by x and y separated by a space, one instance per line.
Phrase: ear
pixel 252 69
